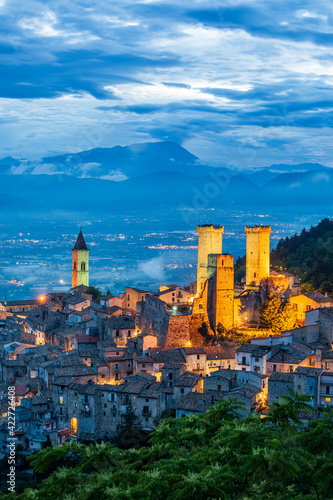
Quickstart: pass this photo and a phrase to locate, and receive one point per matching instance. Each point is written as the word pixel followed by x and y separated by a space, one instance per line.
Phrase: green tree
pixel 95 292
pixel 276 315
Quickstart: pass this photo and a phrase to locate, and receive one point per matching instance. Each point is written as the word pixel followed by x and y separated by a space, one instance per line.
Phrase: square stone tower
pixel 257 254
pixel 221 297
pixel 209 242
pixel 80 262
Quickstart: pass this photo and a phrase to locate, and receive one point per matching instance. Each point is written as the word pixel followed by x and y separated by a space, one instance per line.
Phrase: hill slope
pixel 310 255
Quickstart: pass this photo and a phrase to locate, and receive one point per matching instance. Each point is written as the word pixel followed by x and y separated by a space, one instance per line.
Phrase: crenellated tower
pixel 80 262
pixel 209 242
pixel 257 254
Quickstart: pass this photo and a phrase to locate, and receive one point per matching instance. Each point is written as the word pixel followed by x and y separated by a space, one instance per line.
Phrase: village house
pixel 308 301
pixel 120 330
pixel 131 297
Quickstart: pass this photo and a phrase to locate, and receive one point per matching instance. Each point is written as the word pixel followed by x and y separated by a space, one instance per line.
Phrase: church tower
pixel 80 262
pixel 209 242
pixel 257 254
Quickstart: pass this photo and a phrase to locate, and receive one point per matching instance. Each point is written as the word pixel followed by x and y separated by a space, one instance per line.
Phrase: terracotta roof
pixel 121 323
pixel 318 297
pixel 287 357
pixel 75 371
pixel 281 377
pixel 173 366
pixel 161 355
pixel 188 379
pixel 308 371
pixel 86 339
pixel 195 402
pixel 222 352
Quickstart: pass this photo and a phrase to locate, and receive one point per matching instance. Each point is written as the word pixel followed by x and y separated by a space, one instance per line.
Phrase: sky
pixel 243 83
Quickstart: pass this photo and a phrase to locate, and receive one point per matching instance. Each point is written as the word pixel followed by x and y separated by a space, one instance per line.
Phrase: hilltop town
pixel 81 364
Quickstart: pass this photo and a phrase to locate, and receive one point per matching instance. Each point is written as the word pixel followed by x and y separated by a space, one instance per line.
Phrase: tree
pixel 276 315
pixel 130 433
pixel 95 292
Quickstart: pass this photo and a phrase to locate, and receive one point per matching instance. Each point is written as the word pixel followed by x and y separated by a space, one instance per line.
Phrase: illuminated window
pixel 61 400
pixel 328 400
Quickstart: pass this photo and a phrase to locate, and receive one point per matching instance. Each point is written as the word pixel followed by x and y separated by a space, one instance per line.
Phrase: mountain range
pixel 154 174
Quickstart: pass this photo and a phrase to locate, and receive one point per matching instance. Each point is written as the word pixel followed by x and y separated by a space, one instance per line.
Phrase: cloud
pixel 249 72
pixel 154 268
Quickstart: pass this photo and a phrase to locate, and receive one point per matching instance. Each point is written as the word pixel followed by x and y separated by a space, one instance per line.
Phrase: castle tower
pixel 221 270
pixel 209 242
pixel 257 254
pixel 80 262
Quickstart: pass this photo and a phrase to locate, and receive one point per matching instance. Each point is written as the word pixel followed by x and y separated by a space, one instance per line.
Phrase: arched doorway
pixel 74 426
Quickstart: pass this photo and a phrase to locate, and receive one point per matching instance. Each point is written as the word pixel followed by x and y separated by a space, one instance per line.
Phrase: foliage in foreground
pixel 214 455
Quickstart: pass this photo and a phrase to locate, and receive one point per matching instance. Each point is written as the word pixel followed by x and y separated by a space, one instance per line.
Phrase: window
pixel 170 376
pixel 327 389
pixel 198 356
pixel 103 376
pixel 116 376
pixel 83 266
pixel 299 387
pixel 218 387
pixel 117 333
pixel 104 413
pixel 75 405
pixel 75 266
pixel 60 410
pixel 105 405
pixel 295 307
pixel 116 366
pixel 327 365
pixel 128 296
pixel 113 397
pixel 143 365
pixel 274 368
pixel 127 398
pixel 255 275
pixel 327 400
pixel 182 390
pixel 256 360
pixel 243 360
pixel 146 410
pixel 310 387
pixel 200 307
pixel 61 400
pixel 308 308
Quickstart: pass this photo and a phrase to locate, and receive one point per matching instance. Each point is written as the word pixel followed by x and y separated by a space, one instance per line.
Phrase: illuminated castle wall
pixel 209 242
pixel 257 254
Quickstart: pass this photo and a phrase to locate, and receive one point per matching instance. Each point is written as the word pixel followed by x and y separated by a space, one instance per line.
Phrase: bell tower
pixel 80 262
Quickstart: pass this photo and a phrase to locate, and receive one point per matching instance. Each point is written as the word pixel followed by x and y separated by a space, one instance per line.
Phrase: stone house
pixel 308 301
pixel 173 295
pixel 186 383
pixel 195 359
pixel 326 389
pixel 252 357
pixel 220 357
pixel 131 297
pixel 279 385
pixel 120 330
pixel 306 381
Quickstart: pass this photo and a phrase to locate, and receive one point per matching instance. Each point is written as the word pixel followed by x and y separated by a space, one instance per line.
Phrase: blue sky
pixel 243 83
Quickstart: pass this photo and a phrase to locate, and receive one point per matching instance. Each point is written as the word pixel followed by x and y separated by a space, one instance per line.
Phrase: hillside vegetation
pixel 310 255
pixel 216 455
